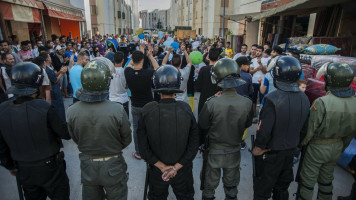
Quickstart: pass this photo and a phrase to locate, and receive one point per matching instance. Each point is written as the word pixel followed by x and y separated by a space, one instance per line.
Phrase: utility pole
pixel 223 31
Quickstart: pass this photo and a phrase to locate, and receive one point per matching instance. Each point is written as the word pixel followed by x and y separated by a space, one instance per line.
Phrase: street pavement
pixel 137 171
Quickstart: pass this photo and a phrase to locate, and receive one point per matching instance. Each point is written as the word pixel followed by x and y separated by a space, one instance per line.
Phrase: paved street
pixel 136 169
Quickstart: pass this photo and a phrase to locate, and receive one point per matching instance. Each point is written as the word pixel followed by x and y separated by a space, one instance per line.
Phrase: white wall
pixel 109 16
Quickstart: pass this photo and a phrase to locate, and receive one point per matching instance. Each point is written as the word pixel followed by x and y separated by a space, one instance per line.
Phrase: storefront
pixel 62 18
pixel 21 18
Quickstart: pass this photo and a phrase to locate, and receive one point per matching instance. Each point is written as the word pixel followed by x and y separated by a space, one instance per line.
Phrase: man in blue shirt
pixel 75 71
pixel 245 90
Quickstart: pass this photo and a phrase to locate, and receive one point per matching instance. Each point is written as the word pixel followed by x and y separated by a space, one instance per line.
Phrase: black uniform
pixel 30 133
pixel 168 132
pixel 282 119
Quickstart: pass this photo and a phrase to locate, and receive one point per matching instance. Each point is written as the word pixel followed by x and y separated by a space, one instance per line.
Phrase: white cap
pixel 58 47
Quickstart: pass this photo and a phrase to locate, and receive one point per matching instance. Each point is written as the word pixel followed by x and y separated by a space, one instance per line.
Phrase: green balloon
pixel 196 57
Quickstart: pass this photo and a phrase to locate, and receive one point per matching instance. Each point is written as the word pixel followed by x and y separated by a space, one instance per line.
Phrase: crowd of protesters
pixel 133 65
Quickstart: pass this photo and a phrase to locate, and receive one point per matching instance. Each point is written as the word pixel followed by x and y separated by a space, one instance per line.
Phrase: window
pixel 93 10
pixel 119 14
pixel 119 30
pixel 123 15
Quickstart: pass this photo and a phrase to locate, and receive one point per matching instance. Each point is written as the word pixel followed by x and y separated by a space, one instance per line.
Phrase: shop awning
pixel 62 10
pixel 240 17
pixel 298 7
pixel 21 12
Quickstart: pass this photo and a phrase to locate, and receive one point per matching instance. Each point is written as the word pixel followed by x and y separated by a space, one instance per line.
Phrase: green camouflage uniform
pixel 331 127
pixel 226 117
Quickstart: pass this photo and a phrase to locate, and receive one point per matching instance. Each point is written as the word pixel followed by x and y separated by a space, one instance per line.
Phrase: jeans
pixel 64 81
pixel 136 113
pixel 256 92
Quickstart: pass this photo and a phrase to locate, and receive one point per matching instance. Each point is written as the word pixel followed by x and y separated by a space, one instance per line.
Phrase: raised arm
pixel 189 61
pixel 152 59
pixel 165 59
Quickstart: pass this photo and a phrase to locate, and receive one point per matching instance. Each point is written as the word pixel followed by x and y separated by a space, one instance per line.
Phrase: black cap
pixel 243 60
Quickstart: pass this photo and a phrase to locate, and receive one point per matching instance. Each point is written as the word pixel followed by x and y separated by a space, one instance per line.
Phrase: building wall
pixel 135 15
pixel 269 5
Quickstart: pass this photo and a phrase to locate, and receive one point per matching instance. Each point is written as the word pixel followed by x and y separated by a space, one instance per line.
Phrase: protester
pixel 58 62
pixel 258 69
pixel 25 52
pixel 6 47
pixel 6 68
pixel 228 50
pixel 185 71
pixel 75 73
pixel 118 86
pixel 15 44
pixel 243 52
pixel 245 90
pixel 139 81
pixel 203 83
pixel 45 88
pixel 56 95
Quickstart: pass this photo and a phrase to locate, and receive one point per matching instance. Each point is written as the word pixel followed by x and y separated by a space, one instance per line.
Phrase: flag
pixel 112 43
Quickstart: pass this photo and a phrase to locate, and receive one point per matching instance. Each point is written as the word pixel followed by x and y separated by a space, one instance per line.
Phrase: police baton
pixel 146 183
pixel 19 188
pixel 253 157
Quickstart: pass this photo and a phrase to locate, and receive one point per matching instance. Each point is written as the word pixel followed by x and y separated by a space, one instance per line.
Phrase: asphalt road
pixel 137 170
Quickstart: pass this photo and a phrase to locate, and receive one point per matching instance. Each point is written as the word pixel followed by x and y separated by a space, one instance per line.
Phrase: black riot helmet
pixel 26 78
pixel 286 71
pixel 226 73
pixel 338 78
pixel 167 79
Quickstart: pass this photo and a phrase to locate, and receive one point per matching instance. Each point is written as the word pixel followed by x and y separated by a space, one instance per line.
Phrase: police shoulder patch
pixel 314 107
pixel 210 98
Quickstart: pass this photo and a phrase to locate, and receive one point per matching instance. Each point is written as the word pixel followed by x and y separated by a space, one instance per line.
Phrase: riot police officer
pixel 30 133
pixel 282 119
pixel 331 127
pixel 101 129
pixel 168 138
pixel 225 117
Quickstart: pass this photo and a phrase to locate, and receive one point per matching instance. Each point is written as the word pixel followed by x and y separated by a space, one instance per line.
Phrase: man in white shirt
pixel 8 61
pixel 118 86
pixel 258 71
pixel 243 52
pixel 177 62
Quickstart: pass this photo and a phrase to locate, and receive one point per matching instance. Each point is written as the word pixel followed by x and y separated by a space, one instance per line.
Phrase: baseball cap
pixel 243 60
pixel 58 47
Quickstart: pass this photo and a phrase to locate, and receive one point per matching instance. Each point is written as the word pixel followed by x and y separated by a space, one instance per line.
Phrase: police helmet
pixel 226 73
pixel 26 78
pixel 167 79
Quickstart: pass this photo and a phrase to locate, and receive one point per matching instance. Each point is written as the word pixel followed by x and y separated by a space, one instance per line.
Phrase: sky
pixel 153 4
